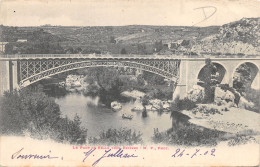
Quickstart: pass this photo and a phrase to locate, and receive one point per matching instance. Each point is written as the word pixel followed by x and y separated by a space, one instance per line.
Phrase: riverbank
pixel 235 120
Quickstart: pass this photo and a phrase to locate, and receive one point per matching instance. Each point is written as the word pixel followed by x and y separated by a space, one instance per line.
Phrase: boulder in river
pixel 138 108
pixel 156 103
pixel 116 106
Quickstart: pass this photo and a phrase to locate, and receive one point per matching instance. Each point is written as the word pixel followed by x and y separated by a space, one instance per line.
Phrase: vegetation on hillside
pixel 121 136
pixel 239 38
pixel 28 112
pixel 109 83
pixel 189 135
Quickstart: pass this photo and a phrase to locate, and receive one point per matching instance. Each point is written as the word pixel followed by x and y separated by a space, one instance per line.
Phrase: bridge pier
pixel 188 76
pixel 4 85
pixel 181 87
pixel 9 76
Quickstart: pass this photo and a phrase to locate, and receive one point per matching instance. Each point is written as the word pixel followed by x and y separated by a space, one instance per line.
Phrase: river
pixel 96 118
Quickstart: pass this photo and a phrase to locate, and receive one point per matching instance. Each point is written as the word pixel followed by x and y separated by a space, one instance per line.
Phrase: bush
pixel 162 93
pixel 27 111
pixel 241 139
pixel 190 135
pixel 117 137
pixel 182 104
pixel 205 110
pixel 24 107
pixel 254 96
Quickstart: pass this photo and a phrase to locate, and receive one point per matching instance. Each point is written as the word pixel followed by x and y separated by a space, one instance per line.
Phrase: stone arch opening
pixel 218 73
pixel 245 76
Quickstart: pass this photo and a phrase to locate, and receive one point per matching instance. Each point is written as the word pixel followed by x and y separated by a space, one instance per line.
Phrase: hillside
pixel 240 37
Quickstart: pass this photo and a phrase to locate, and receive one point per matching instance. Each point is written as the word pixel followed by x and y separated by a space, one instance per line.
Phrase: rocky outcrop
pixel 239 38
pixel 243 103
pixel 133 94
pixel 154 105
pixel 139 108
pixel 116 106
pixel 222 97
pixel 196 94
pixel 74 83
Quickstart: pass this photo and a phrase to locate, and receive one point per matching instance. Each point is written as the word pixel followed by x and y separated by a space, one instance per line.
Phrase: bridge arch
pixel 254 74
pixel 171 74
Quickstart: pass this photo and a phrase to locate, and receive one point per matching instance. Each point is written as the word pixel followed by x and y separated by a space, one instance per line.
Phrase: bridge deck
pixel 122 57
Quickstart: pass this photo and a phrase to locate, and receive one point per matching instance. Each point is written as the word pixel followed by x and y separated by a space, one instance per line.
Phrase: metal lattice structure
pixel 33 70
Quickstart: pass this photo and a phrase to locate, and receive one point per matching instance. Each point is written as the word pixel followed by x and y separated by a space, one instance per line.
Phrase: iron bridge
pixel 33 68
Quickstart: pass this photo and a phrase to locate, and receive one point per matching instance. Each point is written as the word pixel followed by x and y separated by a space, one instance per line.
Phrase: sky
pixel 125 12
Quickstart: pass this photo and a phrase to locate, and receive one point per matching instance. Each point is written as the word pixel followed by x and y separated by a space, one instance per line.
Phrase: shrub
pixel 205 110
pixel 117 137
pixel 254 96
pixel 23 107
pixel 161 93
pixel 189 135
pixel 243 137
pixel 182 104
pixel 27 111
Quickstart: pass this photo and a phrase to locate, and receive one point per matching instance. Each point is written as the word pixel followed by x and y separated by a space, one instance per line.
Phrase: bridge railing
pixel 17 56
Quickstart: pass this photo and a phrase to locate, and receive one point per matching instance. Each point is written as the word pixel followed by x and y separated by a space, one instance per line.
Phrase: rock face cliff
pixel 222 97
pixel 240 37
pixel 246 30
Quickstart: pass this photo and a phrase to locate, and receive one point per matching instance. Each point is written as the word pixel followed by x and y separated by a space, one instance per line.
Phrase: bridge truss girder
pixel 32 71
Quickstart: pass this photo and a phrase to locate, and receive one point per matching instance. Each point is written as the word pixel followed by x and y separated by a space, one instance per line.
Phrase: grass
pixel 189 135
pixel 192 135
pixel 122 136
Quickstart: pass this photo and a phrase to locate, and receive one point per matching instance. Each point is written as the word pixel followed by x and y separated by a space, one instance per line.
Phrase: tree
pixel 69 50
pixel 153 79
pixel 78 50
pixel 145 102
pixel 123 51
pixel 112 39
pixel 9 48
pixel 158 46
pixel 185 43
pixel 208 76
pixel 108 82
pixel 243 78
pixel 36 113
pixel 141 49
pixel 25 107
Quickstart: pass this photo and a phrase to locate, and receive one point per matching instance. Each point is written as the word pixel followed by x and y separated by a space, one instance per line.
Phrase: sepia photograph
pixel 129 83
